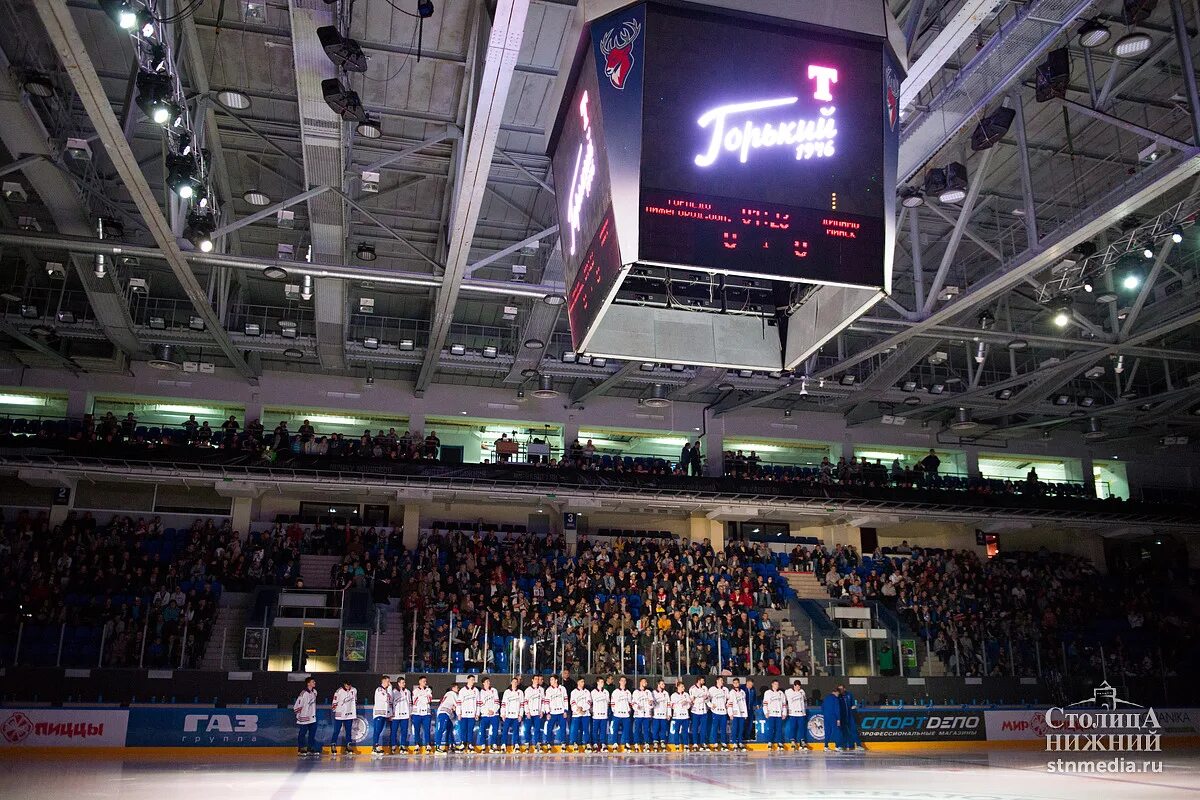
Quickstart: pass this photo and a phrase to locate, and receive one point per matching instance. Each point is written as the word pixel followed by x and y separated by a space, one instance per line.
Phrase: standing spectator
pixel 432 446
pixel 697 455
pixel 230 426
pixel 190 427
pixel 685 457
pixel 931 463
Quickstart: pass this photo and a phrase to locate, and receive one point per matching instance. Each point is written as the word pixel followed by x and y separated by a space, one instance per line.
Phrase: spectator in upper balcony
pixel 230 426
pixel 128 426
pixel 931 464
pixel 306 431
pixel 685 455
pixel 432 446
pixel 190 427
pixel 501 445
pixel 696 461
pixel 589 452
pixel 204 435
pixel 282 436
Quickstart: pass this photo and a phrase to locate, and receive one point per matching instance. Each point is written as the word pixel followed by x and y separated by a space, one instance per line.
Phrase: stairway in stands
pixel 226 636
pixel 314 570
pixel 806 585
pixel 392 655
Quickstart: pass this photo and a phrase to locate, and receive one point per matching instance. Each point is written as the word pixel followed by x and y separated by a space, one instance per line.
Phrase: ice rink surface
pixel 946 775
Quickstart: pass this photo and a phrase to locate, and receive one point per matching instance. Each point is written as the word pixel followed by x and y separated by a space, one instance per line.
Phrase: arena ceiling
pixel 463 224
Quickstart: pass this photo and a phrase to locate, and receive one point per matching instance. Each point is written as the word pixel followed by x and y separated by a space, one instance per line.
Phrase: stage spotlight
pixel 948 184
pixel 1131 281
pixel 1061 308
pixel 991 129
pixel 1132 45
pixel 344 102
pixel 156 98
pixel 1093 34
pixel 365 252
pixel 1177 234
pixel 911 197
pixel 121 12
pixel 200 225
pixel 1052 75
pixel 343 52
pixel 369 129
pixel 182 177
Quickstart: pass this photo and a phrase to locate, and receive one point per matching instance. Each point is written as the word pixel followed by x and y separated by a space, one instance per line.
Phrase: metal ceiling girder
pixel 1003 60
pixel 897 365
pixel 24 135
pixel 381 275
pixel 41 347
pixel 513 248
pixel 323 143
pixel 1116 204
pixel 198 76
pixel 491 96
pixel 1160 259
pixel 701 381
pixel 957 30
pixel 615 379
pixel 64 34
pixel 960 227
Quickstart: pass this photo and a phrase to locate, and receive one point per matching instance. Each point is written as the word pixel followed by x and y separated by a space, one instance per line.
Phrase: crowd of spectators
pixel 124 593
pixel 1016 614
pixel 490 600
pixel 920 479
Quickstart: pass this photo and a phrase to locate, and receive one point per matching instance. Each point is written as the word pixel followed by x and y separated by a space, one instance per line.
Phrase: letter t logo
pixel 824 76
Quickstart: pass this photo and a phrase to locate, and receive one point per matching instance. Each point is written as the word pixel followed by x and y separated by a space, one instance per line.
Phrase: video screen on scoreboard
pixel 762 150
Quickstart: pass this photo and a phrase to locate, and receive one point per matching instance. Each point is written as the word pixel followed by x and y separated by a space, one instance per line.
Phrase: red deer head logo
pixel 617 47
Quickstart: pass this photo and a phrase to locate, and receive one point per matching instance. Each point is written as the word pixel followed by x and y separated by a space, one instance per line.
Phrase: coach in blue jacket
pixel 751 732
pixel 831 710
pixel 850 737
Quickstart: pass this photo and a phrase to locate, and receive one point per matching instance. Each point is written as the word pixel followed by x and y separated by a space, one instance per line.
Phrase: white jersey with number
pixel 718 700
pixel 681 705
pixel 533 701
pixel 449 705
pixel 774 704
pixel 797 702
pixel 699 696
pixel 468 703
pixel 600 700
pixel 622 703
pixel 581 703
pixel 737 703
pixel 662 704
pixel 489 702
pixel 556 700
pixel 401 704
pixel 422 701
pixel 512 704
pixel 643 703
pixel 345 703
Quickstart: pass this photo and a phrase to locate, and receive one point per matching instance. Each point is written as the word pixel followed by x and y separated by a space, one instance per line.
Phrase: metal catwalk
pixel 945 775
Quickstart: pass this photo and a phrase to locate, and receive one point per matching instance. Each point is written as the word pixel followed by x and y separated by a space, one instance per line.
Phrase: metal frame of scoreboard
pixel 698 156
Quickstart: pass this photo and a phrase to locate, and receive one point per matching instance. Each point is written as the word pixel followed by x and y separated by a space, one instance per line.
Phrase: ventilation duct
pixel 657 398
pixel 963 422
pixel 545 388
pixel 1095 430
pixel 165 358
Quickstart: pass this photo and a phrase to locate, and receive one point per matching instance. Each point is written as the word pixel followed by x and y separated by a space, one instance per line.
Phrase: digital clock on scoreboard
pixel 759 238
pixel 762 151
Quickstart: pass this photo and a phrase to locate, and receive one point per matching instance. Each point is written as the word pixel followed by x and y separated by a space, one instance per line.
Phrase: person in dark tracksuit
pixel 751 729
pixel 831 710
pixel 850 738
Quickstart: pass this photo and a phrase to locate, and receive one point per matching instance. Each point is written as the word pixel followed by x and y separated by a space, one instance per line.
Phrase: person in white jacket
pixel 659 727
pixel 306 719
pixel 422 706
pixel 643 707
pixel 795 730
pixel 718 715
pixel 774 706
pixel 488 740
pixel 401 714
pixel 534 733
pixel 622 708
pixel 738 714
pixel 600 713
pixel 580 732
pixel 345 711
pixel 512 706
pixel 447 715
pixel 468 714
pixel 381 712
pixel 554 708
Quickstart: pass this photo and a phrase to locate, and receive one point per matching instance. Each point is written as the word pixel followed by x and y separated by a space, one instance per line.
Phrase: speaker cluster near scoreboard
pixel 726 180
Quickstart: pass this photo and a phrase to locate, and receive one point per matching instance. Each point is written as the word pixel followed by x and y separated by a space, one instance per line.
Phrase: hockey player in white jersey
pixel 422 707
pixel 718 715
pixel 642 701
pixel 534 732
pixel 512 707
pixel 795 729
pixel 660 717
pixel 401 715
pixel 488 739
pixel 621 703
pixel 468 714
pixel 738 715
pixel 774 706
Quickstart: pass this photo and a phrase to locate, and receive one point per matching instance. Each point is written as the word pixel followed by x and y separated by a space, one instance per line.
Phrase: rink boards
pixel 258 727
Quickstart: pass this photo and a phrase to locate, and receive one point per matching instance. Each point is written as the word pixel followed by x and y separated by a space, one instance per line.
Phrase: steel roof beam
pixel 499 57
pixel 68 43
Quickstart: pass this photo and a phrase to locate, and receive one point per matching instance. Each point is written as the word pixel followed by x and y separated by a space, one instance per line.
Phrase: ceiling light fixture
pixel 545 388
pixel 1093 34
pixel 233 99
pixel 1132 45
pixel 369 128
pixel 365 252
pixel 256 197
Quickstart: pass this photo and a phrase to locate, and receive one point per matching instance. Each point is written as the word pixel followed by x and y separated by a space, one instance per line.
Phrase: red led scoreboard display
pixel 732 144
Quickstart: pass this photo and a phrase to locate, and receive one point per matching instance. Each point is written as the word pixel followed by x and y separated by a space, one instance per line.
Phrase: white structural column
pixel 499 60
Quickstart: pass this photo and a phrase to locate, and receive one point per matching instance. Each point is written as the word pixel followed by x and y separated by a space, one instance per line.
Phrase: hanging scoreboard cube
pixel 726 180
